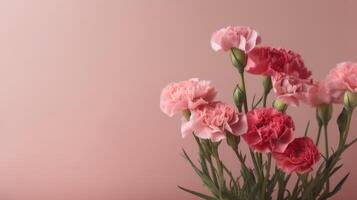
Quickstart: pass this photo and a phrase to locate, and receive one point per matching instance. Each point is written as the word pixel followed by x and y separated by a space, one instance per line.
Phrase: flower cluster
pixel 266 130
pixel 292 81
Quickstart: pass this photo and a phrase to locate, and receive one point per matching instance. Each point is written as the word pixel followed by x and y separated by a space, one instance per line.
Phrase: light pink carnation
pixel 341 79
pixel 211 121
pixel 240 37
pixel 270 61
pixel 290 89
pixel 269 130
pixel 317 94
pixel 179 96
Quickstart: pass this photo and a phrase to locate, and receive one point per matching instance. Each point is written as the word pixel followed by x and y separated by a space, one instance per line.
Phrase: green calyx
pixel 324 113
pixel 239 59
pixel 350 100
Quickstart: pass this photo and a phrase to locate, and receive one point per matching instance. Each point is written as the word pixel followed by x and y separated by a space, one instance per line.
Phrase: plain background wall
pixel 80 83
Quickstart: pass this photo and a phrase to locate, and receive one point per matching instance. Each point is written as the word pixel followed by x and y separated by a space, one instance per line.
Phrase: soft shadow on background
pixel 80 83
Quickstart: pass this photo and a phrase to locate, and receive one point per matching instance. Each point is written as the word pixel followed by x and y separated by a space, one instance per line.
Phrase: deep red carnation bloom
pixel 269 130
pixel 299 156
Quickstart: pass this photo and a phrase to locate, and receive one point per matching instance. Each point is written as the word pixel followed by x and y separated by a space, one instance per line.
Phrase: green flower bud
pixel 267 84
pixel 324 113
pixel 350 100
pixel 280 106
pixel 239 59
pixel 232 140
pixel 238 97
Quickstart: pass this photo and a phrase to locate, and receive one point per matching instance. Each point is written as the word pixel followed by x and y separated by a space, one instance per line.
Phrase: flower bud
pixel 324 113
pixel 267 84
pixel 238 97
pixel 239 59
pixel 279 105
pixel 350 100
pixel 233 140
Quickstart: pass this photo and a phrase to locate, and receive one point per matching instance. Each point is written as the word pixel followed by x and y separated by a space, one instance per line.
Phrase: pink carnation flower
pixel 177 97
pixel 290 89
pixel 269 61
pixel 299 156
pixel 211 121
pixel 341 79
pixel 269 130
pixel 317 94
pixel 240 37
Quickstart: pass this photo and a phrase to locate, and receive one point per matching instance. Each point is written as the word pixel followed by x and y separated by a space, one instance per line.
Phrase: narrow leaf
pixel 206 179
pixel 339 185
pixel 202 196
pixel 307 128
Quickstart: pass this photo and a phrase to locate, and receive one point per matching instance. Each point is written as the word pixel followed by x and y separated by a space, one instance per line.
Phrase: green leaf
pixel 351 143
pixel 258 102
pixel 342 121
pixel 307 128
pixel 254 192
pixel 339 185
pixel 252 106
pixel 233 181
pixel 336 189
pixel 335 169
pixel 206 179
pixel 202 196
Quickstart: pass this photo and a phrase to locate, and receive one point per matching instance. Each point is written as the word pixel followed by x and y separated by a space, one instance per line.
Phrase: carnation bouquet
pixel 279 164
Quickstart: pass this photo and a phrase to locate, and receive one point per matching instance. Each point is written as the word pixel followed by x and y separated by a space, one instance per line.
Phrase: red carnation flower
pixel 269 130
pixel 299 156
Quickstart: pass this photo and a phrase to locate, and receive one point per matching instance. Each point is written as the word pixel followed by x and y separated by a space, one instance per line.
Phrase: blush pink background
pixel 80 83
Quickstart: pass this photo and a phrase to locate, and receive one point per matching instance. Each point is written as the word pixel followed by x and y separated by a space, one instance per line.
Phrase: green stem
pixel 318 135
pixel 220 171
pixel 269 165
pixel 349 118
pixel 326 142
pixel 260 164
pixel 244 91
pixel 296 188
pixel 256 166
pixel 281 180
pixel 213 171
pixel 267 85
pixel 241 159
pixel 266 178
pixel 265 100
pixel 327 155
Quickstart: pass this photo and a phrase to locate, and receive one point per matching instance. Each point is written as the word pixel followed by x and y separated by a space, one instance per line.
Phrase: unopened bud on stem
pixel 232 140
pixel 239 59
pixel 350 100
pixel 238 97
pixel 279 105
pixel 324 113
pixel 267 84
